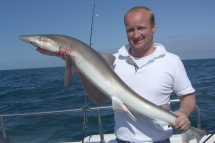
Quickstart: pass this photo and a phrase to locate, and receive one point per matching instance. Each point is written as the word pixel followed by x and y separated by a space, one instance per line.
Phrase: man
pixel 154 74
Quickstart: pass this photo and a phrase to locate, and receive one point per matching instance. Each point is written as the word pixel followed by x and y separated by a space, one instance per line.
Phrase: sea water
pixel 42 89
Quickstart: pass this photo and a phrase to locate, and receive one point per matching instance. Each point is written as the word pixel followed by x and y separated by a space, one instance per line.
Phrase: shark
pixel 101 82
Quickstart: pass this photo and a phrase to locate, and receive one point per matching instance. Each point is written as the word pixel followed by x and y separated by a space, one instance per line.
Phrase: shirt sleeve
pixel 181 84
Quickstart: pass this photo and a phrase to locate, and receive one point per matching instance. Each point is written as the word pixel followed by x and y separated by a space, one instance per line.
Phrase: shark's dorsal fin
pixel 108 58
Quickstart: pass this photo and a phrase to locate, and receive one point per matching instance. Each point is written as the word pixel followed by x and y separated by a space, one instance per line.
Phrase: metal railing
pixel 7 140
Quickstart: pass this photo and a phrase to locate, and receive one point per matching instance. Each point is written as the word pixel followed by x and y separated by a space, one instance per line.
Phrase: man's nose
pixel 136 34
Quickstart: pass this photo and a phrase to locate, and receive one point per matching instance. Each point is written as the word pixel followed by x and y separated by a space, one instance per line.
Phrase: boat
pixel 111 138
pixel 103 138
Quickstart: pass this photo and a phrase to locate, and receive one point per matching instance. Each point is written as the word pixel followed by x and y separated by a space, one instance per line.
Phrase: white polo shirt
pixel 157 76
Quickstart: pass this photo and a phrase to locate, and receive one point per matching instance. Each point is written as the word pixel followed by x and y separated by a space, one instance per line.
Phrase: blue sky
pixel 186 28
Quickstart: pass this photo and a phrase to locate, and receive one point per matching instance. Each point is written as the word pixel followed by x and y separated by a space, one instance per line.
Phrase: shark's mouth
pixel 39 49
pixel 43 51
pixel 46 52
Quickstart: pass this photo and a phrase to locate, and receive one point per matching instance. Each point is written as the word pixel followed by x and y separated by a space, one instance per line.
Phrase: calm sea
pixel 42 89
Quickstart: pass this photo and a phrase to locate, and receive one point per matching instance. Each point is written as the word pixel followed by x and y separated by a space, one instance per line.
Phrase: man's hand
pixel 187 105
pixel 182 122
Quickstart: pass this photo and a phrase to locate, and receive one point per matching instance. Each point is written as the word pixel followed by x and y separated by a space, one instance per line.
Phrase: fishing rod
pixel 85 100
pixel 92 23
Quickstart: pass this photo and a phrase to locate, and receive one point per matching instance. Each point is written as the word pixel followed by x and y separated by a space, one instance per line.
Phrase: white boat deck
pixel 110 138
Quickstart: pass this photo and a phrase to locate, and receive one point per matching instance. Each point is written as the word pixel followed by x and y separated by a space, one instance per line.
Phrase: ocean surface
pixel 42 89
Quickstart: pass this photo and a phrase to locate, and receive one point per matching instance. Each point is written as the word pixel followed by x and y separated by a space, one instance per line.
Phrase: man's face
pixel 139 32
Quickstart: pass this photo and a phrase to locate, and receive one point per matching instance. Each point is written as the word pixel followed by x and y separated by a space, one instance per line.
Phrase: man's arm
pixel 187 105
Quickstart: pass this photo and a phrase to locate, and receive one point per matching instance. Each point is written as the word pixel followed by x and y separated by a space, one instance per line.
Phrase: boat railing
pixel 6 139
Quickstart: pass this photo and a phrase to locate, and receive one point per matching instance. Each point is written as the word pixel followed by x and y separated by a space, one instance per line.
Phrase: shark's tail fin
pixel 193 133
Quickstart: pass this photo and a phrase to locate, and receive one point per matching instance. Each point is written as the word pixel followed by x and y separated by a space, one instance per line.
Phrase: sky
pixel 185 27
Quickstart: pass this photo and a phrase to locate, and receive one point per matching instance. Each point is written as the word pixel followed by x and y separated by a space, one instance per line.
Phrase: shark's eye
pixel 41 38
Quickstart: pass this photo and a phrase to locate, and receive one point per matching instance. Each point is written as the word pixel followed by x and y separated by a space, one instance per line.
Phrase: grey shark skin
pixel 97 70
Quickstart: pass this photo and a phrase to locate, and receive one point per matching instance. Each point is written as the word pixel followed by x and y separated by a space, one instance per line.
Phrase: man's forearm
pixel 187 104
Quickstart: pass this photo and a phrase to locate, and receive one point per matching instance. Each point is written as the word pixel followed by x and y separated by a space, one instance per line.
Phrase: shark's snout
pixel 29 39
pixel 25 38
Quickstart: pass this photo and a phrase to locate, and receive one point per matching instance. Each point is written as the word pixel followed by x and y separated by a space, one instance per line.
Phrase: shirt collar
pixel 159 52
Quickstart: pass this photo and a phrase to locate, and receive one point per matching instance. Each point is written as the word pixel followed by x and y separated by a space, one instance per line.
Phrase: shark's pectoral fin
pixel 92 91
pixel 70 68
pixel 118 105
pixel 108 58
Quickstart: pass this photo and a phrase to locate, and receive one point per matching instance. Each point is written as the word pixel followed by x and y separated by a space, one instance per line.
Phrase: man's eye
pixel 141 28
pixel 130 30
